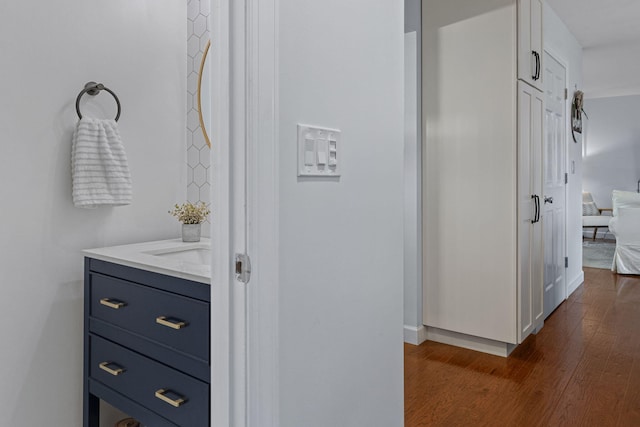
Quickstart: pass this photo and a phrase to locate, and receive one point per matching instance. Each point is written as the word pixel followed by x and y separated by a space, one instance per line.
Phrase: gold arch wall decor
pixel 202 125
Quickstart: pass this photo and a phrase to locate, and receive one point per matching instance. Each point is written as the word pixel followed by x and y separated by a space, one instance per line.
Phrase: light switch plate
pixel 318 151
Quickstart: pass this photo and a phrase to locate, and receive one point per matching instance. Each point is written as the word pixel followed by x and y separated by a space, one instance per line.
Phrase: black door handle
pixel 535 59
pixel 536 75
pixel 536 205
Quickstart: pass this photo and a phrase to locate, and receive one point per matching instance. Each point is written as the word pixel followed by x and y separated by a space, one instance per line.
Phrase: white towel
pixel 99 168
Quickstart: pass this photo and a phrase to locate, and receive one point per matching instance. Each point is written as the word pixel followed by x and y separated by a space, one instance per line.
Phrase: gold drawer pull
pixel 162 395
pixel 115 372
pixel 112 303
pixel 171 322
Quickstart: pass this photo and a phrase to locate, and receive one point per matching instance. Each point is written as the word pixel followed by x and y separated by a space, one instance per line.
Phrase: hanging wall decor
pixel 577 110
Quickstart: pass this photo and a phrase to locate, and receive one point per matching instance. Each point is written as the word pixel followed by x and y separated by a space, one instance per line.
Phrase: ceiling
pixel 597 23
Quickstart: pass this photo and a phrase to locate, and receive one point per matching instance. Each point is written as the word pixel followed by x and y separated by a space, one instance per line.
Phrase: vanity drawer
pixel 179 322
pixel 169 393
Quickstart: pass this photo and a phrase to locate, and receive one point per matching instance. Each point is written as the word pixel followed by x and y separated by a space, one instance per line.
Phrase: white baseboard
pixel 471 342
pixel 415 335
pixel 573 285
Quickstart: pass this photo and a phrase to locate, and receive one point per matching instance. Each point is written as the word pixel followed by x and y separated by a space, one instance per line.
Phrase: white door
pixel 553 209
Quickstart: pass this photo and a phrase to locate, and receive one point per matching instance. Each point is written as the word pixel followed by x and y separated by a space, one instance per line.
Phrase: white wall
pixel 564 46
pixel 612 147
pixel 341 263
pixel 49 51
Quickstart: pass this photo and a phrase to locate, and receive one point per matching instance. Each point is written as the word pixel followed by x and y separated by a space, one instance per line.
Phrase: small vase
pixel 191 232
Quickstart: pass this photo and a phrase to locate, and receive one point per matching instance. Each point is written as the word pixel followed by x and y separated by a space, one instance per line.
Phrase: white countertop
pixel 150 256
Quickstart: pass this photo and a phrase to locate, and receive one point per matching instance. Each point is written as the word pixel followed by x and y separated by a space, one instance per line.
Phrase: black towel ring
pixel 93 88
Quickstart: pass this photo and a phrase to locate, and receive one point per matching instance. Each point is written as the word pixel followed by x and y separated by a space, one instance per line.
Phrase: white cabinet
pixel 530 114
pixel 530 50
pixel 530 253
pixel 482 163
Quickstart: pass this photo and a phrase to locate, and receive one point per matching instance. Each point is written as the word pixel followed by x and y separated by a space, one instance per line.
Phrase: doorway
pixel 554 184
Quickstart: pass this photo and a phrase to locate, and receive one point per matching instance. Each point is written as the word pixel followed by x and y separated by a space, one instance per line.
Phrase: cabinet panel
pixel 140 379
pixel 530 251
pixel 530 45
pixel 146 346
pixel 176 321
pixel 537 246
pixel 469 170
pixel 481 167
pixel 527 209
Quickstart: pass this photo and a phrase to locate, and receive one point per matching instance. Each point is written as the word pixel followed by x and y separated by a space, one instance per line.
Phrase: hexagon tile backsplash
pixel 198 33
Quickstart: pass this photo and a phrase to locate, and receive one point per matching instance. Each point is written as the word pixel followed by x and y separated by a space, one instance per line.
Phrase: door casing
pixel 244 172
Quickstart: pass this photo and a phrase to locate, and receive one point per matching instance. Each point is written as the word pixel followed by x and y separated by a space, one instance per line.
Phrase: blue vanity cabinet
pixel 146 346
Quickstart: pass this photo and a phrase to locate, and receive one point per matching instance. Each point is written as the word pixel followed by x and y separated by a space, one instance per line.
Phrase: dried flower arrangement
pixel 189 213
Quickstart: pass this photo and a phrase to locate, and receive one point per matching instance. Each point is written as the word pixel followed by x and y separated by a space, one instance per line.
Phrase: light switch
pixel 309 152
pixel 308 158
pixel 318 151
pixel 322 158
pixel 322 152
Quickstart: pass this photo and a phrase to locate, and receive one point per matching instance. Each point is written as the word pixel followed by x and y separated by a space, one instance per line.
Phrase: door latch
pixel 243 268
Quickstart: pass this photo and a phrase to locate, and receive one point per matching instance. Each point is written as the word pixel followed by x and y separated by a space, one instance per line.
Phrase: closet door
pixel 530 284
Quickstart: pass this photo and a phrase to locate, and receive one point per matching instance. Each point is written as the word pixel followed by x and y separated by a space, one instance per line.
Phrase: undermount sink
pixel 198 255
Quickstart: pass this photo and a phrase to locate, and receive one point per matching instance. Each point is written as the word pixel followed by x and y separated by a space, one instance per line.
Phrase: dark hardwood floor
pixel 581 369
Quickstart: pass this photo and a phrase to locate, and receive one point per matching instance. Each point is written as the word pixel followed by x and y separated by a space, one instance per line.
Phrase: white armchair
pixel 625 226
pixel 592 215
